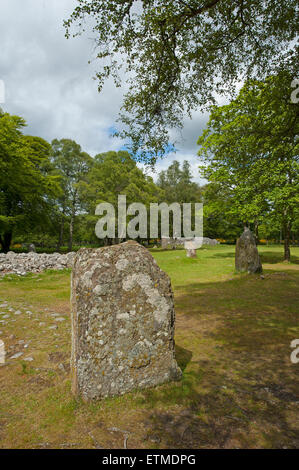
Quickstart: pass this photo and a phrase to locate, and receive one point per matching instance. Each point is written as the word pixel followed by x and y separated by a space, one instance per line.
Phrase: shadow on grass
pixel 243 390
pixel 183 357
pixel 271 257
pixel 223 255
pixel 222 416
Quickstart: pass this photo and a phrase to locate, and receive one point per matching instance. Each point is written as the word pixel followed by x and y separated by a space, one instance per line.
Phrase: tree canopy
pixel 251 147
pixel 177 184
pixel 71 164
pixel 177 53
pixel 26 187
pixel 114 174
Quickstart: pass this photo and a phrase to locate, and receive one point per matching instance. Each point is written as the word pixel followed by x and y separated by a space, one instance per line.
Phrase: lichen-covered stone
pixel 122 322
pixel 246 257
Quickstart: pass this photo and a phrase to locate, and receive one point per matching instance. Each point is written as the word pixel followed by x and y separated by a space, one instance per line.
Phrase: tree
pixel 178 185
pixel 26 187
pixel 251 147
pixel 114 174
pixel 220 221
pixel 177 53
pixel 71 165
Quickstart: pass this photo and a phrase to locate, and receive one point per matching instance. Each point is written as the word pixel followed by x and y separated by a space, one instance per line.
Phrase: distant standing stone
pixel 247 258
pixel 122 322
pixel 191 253
pixel 190 247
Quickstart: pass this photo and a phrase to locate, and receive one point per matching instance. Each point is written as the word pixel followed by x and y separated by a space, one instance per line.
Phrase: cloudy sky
pixel 49 82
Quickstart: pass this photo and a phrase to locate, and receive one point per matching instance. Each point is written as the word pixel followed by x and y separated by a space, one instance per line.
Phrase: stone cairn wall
pixel 122 322
pixel 180 242
pixel 23 263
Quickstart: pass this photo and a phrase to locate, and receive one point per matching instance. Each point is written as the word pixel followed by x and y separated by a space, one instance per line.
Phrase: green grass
pixel 233 333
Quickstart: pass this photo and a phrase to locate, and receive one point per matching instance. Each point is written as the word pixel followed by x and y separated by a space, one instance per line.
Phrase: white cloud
pixel 49 82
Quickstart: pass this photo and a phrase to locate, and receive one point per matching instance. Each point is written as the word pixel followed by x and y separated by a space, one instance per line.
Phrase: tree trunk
pixel 60 241
pixel 5 241
pixel 72 221
pixel 256 232
pixel 70 247
pixel 287 234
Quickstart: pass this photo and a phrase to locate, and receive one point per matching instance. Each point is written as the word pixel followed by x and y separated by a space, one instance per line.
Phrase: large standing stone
pixel 122 322
pixel 247 258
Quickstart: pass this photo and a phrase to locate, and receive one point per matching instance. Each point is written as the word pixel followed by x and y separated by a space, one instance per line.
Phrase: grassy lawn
pixel 233 335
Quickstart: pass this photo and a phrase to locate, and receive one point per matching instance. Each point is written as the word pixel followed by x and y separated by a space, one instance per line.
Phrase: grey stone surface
pixel 2 352
pixel 246 257
pixel 17 355
pixel 122 322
